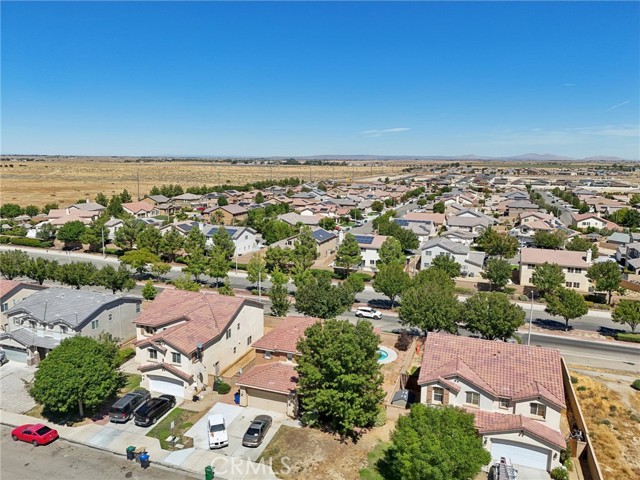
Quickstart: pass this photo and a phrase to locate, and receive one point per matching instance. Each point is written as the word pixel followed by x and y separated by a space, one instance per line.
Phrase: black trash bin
pixel 130 452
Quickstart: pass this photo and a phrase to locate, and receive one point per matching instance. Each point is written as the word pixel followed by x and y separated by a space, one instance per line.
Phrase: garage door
pixel 15 354
pixel 520 454
pixel 166 385
pixel 276 402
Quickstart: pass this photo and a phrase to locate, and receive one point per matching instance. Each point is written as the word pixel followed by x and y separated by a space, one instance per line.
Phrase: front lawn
pixel 370 472
pixel 132 382
pixel 184 420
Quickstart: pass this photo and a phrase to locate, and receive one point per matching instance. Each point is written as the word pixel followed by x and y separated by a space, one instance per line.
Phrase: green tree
pixel 391 280
pixel 498 272
pixel 159 269
pixel 31 210
pixel 222 242
pixel 222 201
pixel 10 210
pixel 278 257
pixel 77 274
pixel 498 244
pixel 548 277
pixel 276 230
pixel 578 244
pixel 354 283
pixel 46 232
pixel 567 304
pixel 149 238
pixel 259 198
pixel 184 283
pixel 377 206
pixel 431 307
pixel 327 223
pixel 606 276
pixel 492 315
pixel 391 252
pixel 635 199
pixel 40 269
pixel 627 312
pixel 102 199
pixel 128 233
pixel 348 255
pixel 551 240
pixel 434 443
pixel 114 280
pixel 149 291
pixel 78 373
pixel 317 297
pixel 438 207
pixel 139 260
pixel 226 289
pixel 50 206
pixel 197 264
pixel 305 250
pixel 218 266
pixel 447 264
pixel 340 382
pixel 71 233
pixel 114 209
pixel 170 244
pixel 257 268
pixel 14 263
pixel 355 214
pixel 195 241
pixel 433 276
pixel 95 233
pixel 279 294
pixel 125 196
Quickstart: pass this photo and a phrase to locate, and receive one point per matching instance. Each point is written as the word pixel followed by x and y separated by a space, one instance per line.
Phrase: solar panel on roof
pixel 365 240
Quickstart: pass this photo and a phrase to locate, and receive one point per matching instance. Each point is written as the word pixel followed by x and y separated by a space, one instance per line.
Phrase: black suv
pixel 125 407
pixel 153 409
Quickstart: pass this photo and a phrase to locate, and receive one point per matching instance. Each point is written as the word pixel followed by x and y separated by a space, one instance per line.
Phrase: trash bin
pixel 144 460
pixel 130 452
pixel 236 398
pixel 208 472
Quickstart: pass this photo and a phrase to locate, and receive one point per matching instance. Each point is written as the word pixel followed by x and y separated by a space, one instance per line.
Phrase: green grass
pixel 370 472
pixel 133 382
pixel 184 420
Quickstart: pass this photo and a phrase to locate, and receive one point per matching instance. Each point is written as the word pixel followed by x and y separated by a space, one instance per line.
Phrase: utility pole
pixel 103 252
pixel 260 286
pixel 138 179
pixel 530 320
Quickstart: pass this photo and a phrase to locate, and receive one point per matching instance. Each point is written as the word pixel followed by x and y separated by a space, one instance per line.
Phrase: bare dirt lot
pixel 67 181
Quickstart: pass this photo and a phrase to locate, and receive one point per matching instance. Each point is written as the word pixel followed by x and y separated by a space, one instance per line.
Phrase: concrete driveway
pixel 237 420
pixel 14 379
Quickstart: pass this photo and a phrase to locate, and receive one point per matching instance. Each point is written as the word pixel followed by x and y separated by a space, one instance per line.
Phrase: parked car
pixel 368 312
pixel 257 430
pixel 123 410
pixel 151 410
pixel 3 356
pixel 36 434
pixel 217 430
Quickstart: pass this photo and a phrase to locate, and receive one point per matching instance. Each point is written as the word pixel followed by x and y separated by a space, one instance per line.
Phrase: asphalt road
pixel 62 460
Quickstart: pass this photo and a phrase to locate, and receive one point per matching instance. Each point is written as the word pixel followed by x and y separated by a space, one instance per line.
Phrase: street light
pixel 530 320
pixel 104 255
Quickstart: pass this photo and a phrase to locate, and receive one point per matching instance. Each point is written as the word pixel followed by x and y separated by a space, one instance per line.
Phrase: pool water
pixel 382 354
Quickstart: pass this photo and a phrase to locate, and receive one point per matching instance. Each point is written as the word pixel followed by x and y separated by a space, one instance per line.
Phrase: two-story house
pixel 574 265
pixel 515 392
pixel 369 249
pixel 11 293
pixel 39 322
pixel 232 214
pixel 326 242
pixel 187 339
pixel 471 262
pixel 586 220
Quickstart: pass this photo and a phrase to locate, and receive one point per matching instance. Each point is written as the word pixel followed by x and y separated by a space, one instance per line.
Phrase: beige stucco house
pixel 574 265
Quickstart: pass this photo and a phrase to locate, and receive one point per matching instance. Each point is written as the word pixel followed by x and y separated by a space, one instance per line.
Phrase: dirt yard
pixel 612 411
pixel 67 181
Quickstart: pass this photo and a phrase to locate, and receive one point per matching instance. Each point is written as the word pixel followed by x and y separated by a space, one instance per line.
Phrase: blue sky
pixel 285 78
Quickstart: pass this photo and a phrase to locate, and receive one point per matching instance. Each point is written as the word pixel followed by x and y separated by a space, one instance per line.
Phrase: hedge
pixel 30 242
pixel 4 239
pixel 628 337
pixel 114 251
pixel 124 355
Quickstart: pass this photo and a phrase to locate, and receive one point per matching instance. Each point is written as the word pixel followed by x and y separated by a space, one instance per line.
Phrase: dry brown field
pixel 66 182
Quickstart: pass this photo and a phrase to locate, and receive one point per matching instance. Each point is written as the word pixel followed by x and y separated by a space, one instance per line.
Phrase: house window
pixel 17 321
pixel 137 308
pixel 427 253
pixel 238 325
pixel 234 350
pixel 567 284
pixel 95 324
pixel 372 262
pixel 229 333
pixel 438 395
pixel 176 357
pixel 576 285
pixel 63 329
pixel 110 316
pixel 530 266
pixel 249 340
pixel 5 307
pixel 267 354
pixel 538 409
pixel 473 398
pixel 504 403
pixel 153 354
pixel 290 356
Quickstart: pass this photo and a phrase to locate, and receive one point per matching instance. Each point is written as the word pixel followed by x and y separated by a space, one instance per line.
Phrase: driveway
pixel 14 378
pixel 237 420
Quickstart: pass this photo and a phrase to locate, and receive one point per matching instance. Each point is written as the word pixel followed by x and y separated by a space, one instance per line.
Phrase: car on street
pixel 217 432
pixel 257 430
pixel 125 407
pixel 368 312
pixel 153 409
pixel 36 434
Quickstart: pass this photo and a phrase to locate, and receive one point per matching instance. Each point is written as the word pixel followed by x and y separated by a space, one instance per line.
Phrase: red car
pixel 37 434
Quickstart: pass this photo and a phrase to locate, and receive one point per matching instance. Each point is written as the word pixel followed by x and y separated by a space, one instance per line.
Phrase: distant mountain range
pixel 535 157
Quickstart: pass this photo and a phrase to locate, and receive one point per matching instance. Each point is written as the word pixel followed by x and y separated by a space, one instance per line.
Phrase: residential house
pixel 42 320
pixel 187 339
pixel 424 230
pixel 515 392
pixel 156 200
pixel 438 219
pixel 232 214
pixel 471 263
pixel 459 236
pixel 586 220
pixel 140 209
pixel 294 219
pixel 245 239
pixel 60 216
pixel 516 208
pixel 327 242
pixel 470 221
pixel 574 265
pixel 187 200
pixel 11 293
pixel 369 249
pixel 528 217
pixel 87 207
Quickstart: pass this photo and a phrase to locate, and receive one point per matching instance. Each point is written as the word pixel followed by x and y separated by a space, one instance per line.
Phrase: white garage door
pixel 15 354
pixel 520 454
pixel 169 386
pixel 276 402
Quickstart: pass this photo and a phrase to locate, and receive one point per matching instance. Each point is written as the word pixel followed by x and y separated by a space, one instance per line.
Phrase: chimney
pixel 589 255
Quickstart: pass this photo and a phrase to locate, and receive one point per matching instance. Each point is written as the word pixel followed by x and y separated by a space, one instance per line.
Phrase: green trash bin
pixel 130 452
pixel 208 472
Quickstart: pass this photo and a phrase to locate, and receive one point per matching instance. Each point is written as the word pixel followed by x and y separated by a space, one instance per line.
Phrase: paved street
pixel 62 460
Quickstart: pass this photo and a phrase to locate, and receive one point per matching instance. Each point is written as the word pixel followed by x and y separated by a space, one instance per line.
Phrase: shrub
pixel 636 384
pixel 364 276
pixel 403 342
pixel 606 422
pixel 30 242
pixel 568 464
pixel 523 298
pixel 581 388
pixel 517 338
pixel 559 473
pixel 509 290
pixel 4 239
pixel 628 337
pixel 118 252
pixel 181 260
pixel 125 354
pixel 574 379
pixel 381 419
pixel 223 388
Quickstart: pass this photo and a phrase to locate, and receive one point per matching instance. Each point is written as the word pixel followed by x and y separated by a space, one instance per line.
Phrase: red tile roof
pixel 273 377
pixel 492 422
pixel 7 286
pixel 285 336
pixel 501 369
pixel 138 206
pixel 198 317
pixel 170 368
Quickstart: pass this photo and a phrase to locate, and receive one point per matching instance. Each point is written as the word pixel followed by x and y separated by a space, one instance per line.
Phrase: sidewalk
pixel 190 460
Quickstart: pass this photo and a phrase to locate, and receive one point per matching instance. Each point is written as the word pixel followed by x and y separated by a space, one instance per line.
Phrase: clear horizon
pixel 304 78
